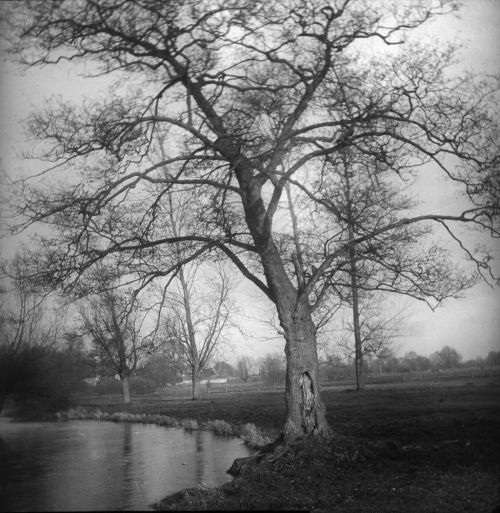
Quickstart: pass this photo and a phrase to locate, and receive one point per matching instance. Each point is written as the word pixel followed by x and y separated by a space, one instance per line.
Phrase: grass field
pixel 413 447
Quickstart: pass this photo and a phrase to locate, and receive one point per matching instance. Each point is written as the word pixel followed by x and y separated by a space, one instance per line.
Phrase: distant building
pixel 187 380
pixel 213 381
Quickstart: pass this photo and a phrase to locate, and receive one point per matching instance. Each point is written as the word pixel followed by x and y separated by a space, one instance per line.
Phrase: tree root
pixel 309 451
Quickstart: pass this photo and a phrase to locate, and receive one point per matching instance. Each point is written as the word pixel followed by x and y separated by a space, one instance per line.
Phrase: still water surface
pixel 90 465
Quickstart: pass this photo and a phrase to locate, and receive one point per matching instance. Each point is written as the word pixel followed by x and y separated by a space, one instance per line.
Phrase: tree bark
pixel 124 378
pixel 305 411
pixel 195 380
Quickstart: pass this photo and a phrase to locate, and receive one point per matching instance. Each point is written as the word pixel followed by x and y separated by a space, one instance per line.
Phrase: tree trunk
pixel 195 380
pixel 360 379
pixel 358 344
pixel 124 378
pixel 305 411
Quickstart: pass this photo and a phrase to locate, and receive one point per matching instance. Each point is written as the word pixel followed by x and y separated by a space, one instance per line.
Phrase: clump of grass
pixel 155 419
pixel 220 427
pixel 143 418
pixel 249 433
pixel 165 420
pixel 120 417
pixel 252 437
pixel 189 424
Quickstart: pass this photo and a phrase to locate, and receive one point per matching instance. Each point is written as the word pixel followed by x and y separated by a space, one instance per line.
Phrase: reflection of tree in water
pixel 200 459
pixel 127 440
pixel 129 477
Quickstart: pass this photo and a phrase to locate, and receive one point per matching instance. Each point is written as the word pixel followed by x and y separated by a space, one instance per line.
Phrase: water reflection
pixel 89 465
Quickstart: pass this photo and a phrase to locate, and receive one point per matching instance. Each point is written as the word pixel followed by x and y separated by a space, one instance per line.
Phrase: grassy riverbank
pixel 411 449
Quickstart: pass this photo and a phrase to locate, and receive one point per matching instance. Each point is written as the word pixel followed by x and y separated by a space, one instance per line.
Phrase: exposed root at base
pixel 306 450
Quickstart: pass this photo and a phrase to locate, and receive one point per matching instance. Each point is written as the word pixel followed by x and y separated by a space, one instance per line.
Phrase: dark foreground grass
pixel 395 450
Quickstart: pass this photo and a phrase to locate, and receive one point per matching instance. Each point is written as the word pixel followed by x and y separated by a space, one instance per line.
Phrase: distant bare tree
pixel 446 358
pixel 243 366
pixel 493 358
pixel 376 334
pixel 224 369
pixel 360 194
pixel 195 305
pixel 272 369
pixel 113 321
pixel 196 314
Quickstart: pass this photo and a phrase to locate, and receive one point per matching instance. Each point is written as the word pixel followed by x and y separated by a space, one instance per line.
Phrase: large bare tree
pixel 251 99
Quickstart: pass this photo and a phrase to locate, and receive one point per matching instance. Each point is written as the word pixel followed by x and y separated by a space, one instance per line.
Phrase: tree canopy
pixel 251 107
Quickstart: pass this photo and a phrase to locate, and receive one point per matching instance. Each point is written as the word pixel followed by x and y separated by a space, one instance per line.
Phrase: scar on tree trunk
pixel 310 426
pixel 307 404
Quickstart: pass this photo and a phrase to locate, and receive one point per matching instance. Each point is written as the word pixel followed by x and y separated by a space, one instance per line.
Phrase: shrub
pixel 34 381
pixel 78 413
pixel 220 427
pixel 252 437
pixel 189 424
pixel 117 417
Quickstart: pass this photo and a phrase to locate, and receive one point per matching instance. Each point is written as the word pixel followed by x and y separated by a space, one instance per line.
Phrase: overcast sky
pixel 471 324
